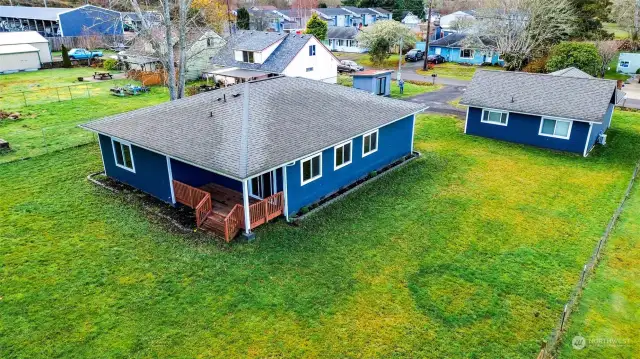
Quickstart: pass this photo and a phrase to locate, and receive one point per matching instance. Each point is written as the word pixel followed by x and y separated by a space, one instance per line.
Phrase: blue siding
pixel 452 54
pixel 196 177
pixel 394 142
pixel 524 129
pixel 600 128
pixel 368 83
pixel 151 175
pixel 89 19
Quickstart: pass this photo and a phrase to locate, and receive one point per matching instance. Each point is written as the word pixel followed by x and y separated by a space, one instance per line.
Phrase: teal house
pixel 466 49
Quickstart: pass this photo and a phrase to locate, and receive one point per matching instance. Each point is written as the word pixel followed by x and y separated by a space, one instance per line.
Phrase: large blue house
pixel 566 111
pixel 251 152
pixel 466 49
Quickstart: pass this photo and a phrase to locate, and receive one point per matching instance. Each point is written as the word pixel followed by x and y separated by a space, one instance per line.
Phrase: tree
pixel 582 55
pixel 382 35
pixel 242 19
pixel 526 29
pixel 215 13
pixel 66 61
pixel 317 27
pixel 322 5
pixel 607 51
pixel 626 13
pixel 589 15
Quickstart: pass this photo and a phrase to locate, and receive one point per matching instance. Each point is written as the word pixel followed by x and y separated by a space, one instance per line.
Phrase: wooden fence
pixel 90 42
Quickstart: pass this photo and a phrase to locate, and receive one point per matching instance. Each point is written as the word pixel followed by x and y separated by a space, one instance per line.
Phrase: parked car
pixel 83 54
pixel 349 66
pixel 436 59
pixel 414 55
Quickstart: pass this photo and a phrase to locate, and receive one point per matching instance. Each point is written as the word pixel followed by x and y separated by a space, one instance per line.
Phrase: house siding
pixel 196 176
pixel 600 128
pixel 368 83
pixel 394 142
pixel 151 176
pixel 87 20
pixel 452 54
pixel 324 65
pixel 524 129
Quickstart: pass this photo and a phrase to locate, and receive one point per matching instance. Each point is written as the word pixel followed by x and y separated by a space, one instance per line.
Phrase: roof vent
pixel 512 99
pixel 236 95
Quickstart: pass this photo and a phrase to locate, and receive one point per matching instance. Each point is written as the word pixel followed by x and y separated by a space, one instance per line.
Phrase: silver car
pixel 351 65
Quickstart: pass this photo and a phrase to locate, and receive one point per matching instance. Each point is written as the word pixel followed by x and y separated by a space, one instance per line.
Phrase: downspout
pixel 286 192
pixel 170 172
pixel 586 145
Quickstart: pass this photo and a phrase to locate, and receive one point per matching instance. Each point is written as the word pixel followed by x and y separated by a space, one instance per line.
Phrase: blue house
pixel 377 82
pixel 465 49
pixel 248 153
pixel 566 111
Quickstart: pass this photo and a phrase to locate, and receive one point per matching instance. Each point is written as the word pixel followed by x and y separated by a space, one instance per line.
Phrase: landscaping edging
pixel 415 155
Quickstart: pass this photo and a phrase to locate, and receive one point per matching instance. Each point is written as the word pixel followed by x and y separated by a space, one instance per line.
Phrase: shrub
pixel 582 55
pixel 110 64
pixel 538 65
pixel 373 174
pixel 345 80
pixel 304 210
pixel 66 61
pixel 638 71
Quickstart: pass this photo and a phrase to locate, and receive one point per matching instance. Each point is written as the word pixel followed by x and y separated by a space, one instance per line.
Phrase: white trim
pixel 309 158
pixel 413 132
pixel 286 192
pixel 377 132
pixel 554 128
pixel 173 194
pixel 586 144
pixel 335 149
pixel 115 160
pixel 466 121
pixel 473 53
pixel 245 202
pixel 492 122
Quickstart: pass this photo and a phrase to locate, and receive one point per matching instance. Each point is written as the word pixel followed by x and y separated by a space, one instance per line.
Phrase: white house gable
pixel 315 62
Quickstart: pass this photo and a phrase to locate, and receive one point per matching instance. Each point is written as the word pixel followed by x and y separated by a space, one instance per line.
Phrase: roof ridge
pixel 547 75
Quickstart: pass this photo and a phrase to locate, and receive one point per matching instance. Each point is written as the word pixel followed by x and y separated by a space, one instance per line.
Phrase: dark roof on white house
pixel 582 99
pixel 258 41
pixel 572 72
pixel 278 60
pixel 332 11
pixel 342 32
pixel 288 119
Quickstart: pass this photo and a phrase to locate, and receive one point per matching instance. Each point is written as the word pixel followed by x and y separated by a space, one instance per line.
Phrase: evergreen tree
pixel 242 19
pixel 317 27
pixel 589 17
pixel 322 5
pixel 66 61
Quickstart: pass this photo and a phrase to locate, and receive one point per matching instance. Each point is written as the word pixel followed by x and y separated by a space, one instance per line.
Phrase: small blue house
pixel 90 20
pixel 377 82
pixel 566 111
pixel 248 153
pixel 465 49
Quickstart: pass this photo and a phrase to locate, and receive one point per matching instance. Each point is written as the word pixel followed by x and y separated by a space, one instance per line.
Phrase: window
pixel 211 42
pixel 495 117
pixel 311 168
pixel 624 63
pixel 466 53
pixel 312 50
pixel 123 155
pixel 309 69
pixel 555 128
pixel 247 56
pixel 381 85
pixel 369 143
pixel 340 42
pixel 342 154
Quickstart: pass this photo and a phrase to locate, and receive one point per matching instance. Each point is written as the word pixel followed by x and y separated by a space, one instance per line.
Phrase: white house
pixel 447 21
pixel 202 44
pixel 628 63
pixel 411 20
pixel 343 39
pixel 256 54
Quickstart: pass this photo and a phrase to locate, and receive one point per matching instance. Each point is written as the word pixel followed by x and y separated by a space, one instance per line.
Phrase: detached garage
pixel 14 58
pixel 29 38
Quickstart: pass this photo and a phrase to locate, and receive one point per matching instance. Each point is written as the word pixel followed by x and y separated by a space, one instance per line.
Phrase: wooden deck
pixel 223 198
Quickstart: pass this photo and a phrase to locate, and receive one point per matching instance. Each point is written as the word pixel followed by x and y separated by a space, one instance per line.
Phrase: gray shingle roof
pixel 455 39
pixel 342 32
pixel 583 99
pixel 289 118
pixel 35 13
pixel 333 11
pixel 277 61
pixel 572 72
pixel 381 10
pixel 359 10
pixel 258 40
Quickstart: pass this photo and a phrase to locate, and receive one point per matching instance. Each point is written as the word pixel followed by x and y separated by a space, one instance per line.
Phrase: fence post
pixel 25 98
pixel 70 95
pixel 44 141
pixel 564 315
pixel 584 272
pixel 58 93
pixel 87 87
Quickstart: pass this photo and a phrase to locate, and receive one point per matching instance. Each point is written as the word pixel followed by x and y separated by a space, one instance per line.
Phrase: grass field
pixel 365 60
pixel 608 316
pixel 37 80
pixel 457 71
pixel 618 32
pixel 470 251
pixel 409 88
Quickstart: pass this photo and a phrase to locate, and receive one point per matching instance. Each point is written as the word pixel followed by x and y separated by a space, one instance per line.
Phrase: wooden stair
pixel 214 223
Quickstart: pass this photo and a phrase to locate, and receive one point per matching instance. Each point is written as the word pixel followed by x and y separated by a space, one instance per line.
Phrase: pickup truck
pixel 83 54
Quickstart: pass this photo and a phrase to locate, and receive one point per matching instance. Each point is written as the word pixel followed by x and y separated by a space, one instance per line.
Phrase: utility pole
pixel 399 74
pixel 426 44
pixel 45 3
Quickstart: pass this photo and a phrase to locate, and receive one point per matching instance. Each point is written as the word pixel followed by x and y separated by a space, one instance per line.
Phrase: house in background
pixel 628 63
pixel 30 38
pixel 377 82
pixel 265 20
pixel 335 16
pixel 361 16
pixel 447 22
pixel 343 39
pixel 202 45
pixel 133 22
pixel 246 154
pixel 50 21
pixel 293 20
pixel 382 14
pixel 410 20
pixel 458 47
pixel 257 54
pixel 565 111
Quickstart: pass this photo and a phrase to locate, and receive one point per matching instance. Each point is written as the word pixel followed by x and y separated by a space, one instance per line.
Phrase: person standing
pixel 401 84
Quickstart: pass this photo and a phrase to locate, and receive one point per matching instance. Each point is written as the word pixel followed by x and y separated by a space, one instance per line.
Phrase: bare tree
pixel 607 51
pixel 522 29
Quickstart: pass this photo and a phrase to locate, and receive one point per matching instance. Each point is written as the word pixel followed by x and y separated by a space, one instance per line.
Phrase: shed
pixel 378 82
pixel 30 38
pixel 14 58
pixel 628 63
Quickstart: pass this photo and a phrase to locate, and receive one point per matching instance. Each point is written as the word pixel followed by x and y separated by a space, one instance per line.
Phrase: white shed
pixel 27 37
pixel 14 58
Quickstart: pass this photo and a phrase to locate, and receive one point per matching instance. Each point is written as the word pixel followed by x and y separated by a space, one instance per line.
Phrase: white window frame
pixel 335 157
pixel 491 122
pixel 624 64
pixel 302 161
pixel 251 55
pixel 554 128
pixel 473 54
pixel 377 142
pixel 115 155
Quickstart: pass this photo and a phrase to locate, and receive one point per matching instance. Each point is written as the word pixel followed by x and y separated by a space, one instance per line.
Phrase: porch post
pixel 284 187
pixel 170 172
pixel 245 202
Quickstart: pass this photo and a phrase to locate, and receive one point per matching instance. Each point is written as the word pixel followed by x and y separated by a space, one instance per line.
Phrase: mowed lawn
pixel 470 251
pixel 608 316
pixel 457 71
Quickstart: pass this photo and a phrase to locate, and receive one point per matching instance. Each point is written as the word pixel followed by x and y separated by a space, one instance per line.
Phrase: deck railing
pixel 203 209
pixel 187 195
pixel 233 222
pixel 267 209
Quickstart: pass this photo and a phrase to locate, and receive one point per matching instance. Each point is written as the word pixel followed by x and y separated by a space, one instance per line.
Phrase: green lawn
pixel 470 251
pixel 410 89
pixel 365 60
pixel 43 79
pixel 457 71
pixel 608 316
pixel 618 32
